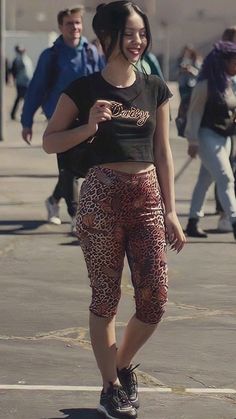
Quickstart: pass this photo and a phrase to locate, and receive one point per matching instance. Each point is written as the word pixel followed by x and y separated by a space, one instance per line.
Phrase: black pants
pixel 21 91
pixel 67 188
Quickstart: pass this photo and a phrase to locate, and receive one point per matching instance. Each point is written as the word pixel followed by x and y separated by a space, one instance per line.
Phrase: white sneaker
pixel 224 224
pixel 53 212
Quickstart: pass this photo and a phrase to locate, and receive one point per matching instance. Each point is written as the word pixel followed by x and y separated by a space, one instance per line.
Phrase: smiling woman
pixel 116 28
pixel 127 203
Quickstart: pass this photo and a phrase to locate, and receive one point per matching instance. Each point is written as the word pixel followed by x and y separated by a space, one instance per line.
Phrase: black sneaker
pixel 129 382
pixel 115 404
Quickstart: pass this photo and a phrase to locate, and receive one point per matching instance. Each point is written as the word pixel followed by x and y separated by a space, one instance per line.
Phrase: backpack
pixel 88 56
pixel 78 159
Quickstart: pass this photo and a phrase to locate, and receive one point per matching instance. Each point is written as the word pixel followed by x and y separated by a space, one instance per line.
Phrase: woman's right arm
pixel 58 136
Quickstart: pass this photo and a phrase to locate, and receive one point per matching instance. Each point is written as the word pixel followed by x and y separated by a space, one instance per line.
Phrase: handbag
pixel 77 159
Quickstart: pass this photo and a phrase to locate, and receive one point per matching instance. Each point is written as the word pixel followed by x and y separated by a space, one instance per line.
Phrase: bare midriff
pixel 129 167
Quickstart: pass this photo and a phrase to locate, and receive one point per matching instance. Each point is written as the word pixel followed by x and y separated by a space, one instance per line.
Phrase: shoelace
pixel 131 375
pixel 120 394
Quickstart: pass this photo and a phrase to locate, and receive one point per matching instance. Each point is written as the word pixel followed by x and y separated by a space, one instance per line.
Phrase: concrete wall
pixel 34 42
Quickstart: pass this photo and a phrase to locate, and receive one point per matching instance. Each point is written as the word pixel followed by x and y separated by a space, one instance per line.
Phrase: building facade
pixel 174 23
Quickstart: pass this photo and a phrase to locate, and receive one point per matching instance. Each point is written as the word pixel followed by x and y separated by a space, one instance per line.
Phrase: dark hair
pixel 229 34
pixel 213 68
pixel 110 20
pixel 69 12
pixel 20 49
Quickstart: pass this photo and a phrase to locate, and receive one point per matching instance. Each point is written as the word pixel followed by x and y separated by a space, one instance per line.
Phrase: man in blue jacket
pixel 70 57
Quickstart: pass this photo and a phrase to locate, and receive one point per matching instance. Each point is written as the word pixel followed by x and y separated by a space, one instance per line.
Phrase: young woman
pixel 127 203
pixel 211 122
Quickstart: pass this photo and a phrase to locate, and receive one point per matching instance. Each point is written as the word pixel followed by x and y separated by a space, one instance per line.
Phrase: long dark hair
pixel 214 66
pixel 109 24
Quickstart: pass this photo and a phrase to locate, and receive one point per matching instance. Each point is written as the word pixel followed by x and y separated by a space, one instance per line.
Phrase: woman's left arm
pixel 165 172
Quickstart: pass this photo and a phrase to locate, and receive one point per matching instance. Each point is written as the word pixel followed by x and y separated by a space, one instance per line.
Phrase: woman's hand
pixel 175 235
pixel 193 150
pixel 99 112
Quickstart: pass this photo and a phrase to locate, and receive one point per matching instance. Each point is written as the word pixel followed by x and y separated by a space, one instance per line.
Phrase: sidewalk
pixel 187 370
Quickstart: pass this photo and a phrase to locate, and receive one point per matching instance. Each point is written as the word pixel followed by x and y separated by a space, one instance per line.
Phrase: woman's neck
pixel 119 75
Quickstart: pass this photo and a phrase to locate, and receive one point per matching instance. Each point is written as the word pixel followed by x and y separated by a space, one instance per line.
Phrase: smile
pixel 134 51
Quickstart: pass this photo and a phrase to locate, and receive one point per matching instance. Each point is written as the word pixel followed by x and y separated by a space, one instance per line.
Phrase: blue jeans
pixel 214 151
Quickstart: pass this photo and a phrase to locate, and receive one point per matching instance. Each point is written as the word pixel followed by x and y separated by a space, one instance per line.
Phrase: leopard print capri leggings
pixel 120 214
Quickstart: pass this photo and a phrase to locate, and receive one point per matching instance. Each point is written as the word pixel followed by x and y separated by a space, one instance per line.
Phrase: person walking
pixel 224 223
pixel 189 64
pixel 22 72
pixel 211 121
pixel 70 57
pixel 127 203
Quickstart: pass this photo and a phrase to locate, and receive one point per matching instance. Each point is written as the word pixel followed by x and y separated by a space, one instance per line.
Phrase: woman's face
pixel 135 38
pixel 230 67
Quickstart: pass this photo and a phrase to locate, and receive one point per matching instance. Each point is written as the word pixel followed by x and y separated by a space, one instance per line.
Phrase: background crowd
pixel 189 76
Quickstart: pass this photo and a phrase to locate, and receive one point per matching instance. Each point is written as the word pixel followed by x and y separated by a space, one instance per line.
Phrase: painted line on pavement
pixel 208 390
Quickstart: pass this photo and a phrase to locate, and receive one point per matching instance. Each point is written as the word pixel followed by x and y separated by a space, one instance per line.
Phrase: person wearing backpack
pixel 71 57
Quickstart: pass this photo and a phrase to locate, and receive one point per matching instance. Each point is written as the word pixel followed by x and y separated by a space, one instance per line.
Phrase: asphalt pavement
pixel 47 369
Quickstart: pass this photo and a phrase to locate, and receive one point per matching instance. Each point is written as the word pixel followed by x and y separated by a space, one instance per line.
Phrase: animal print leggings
pixel 120 214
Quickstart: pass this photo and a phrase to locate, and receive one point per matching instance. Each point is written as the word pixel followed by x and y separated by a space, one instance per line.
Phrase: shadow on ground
pixel 14 227
pixel 79 414
pixel 31 228
pixel 72 243
pixel 18 226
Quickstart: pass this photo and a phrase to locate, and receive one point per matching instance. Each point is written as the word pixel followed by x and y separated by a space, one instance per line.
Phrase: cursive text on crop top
pixel 128 136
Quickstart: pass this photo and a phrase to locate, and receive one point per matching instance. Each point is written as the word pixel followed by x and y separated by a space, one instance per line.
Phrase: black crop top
pixel 128 136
